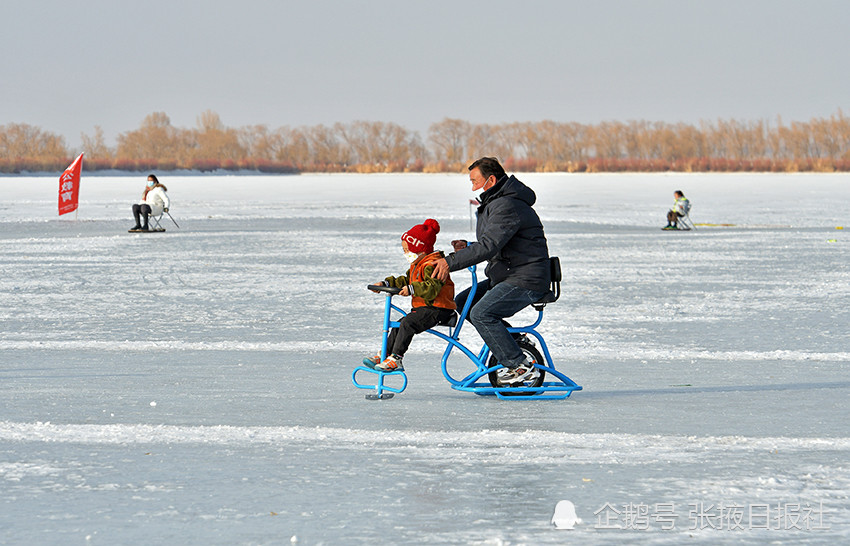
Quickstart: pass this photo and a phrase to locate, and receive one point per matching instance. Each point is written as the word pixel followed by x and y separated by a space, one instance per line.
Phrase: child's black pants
pixel 415 322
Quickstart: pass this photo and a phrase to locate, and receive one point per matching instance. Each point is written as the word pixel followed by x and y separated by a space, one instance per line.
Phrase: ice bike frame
pixel 558 389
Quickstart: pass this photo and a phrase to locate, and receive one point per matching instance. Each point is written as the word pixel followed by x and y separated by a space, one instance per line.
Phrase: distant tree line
pixel 821 144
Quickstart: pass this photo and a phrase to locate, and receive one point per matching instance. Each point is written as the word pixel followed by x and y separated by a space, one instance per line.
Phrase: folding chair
pixel 154 222
pixel 686 222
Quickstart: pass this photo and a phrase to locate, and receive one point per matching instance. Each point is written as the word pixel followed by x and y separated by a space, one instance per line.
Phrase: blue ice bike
pixel 485 365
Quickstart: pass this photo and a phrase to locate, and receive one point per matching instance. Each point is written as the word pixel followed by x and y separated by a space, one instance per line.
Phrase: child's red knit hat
pixel 421 238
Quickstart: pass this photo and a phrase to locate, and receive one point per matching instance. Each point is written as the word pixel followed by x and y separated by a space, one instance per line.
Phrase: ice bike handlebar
pixel 386 289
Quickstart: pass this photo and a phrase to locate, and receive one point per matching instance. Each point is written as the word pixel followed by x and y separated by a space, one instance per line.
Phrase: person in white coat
pixel 154 201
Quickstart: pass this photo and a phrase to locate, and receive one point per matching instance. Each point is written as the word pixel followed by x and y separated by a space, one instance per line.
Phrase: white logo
pixel 565 515
pixel 411 240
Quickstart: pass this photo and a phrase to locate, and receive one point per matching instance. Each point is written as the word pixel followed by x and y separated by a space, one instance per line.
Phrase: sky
pixel 67 67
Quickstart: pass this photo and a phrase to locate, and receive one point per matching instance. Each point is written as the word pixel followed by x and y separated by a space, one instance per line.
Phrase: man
pixel 511 240
pixel 681 207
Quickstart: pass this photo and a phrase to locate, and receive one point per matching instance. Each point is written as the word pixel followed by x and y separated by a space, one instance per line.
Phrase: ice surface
pixel 195 386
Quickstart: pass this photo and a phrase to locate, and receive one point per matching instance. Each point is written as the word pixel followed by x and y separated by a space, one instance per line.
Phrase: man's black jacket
pixel 510 238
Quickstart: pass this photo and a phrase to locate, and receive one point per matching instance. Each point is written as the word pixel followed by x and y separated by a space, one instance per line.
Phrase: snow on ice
pixel 195 386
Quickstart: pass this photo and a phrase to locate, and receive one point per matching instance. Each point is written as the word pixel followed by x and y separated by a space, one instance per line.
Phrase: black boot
pixel 137 211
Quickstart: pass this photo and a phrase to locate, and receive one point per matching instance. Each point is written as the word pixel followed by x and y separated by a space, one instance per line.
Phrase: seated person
pixel 154 201
pixel 681 207
pixel 512 242
pixel 433 299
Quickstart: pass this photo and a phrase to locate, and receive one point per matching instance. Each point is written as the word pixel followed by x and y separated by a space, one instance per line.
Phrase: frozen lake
pixel 194 386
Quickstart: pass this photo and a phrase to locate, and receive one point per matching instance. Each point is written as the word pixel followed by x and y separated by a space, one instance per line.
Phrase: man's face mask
pixel 411 256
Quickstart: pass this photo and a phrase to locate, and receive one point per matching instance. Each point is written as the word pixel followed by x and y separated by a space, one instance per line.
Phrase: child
pixel 433 300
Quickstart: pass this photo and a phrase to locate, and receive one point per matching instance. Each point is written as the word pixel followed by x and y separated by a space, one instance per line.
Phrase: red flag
pixel 474 202
pixel 69 187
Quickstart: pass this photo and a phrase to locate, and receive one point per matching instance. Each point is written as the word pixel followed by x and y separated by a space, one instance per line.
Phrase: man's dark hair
pixel 679 193
pixel 489 166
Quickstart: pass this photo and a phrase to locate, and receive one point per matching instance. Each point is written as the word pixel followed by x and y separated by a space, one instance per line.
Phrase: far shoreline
pixel 224 172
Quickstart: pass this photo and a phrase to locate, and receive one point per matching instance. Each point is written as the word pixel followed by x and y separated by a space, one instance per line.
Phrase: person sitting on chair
pixel 433 299
pixel 154 202
pixel 681 207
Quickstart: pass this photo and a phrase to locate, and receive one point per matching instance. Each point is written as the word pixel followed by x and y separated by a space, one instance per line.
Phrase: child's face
pixel 411 256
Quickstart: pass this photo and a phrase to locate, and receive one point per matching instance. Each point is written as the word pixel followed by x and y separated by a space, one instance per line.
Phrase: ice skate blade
pixel 384 396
